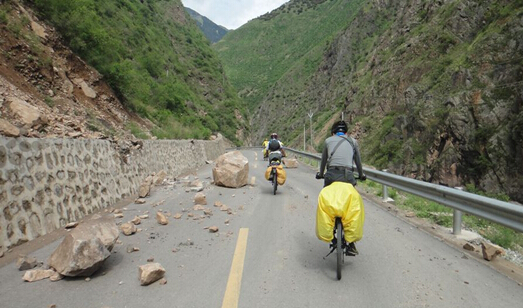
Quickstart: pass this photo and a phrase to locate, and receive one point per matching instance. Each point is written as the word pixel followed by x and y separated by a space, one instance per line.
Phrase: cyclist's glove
pixel 318 176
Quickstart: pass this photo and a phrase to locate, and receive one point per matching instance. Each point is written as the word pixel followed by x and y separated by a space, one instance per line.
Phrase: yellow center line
pixel 232 292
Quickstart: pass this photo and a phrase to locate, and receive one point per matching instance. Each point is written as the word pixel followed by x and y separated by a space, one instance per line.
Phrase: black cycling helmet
pixel 339 126
pixel 274 136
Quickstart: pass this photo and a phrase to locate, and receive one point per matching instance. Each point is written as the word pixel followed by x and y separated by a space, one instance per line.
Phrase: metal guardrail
pixel 504 213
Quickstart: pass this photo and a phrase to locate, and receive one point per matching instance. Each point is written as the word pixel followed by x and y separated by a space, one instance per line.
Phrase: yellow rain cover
pixel 282 175
pixel 340 200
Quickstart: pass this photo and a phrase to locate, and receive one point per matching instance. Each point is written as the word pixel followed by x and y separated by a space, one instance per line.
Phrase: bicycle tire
pixel 339 247
pixel 275 181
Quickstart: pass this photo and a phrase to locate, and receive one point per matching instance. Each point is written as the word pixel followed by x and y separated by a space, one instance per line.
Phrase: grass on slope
pixel 159 64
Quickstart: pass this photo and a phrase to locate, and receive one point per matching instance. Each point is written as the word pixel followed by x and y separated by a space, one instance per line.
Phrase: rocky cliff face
pixel 433 90
pixel 47 91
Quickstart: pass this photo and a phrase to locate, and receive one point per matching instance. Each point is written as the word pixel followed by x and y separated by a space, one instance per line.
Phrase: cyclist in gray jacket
pixel 339 155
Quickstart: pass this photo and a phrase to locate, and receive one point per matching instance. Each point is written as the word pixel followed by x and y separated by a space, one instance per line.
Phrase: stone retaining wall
pixel 46 183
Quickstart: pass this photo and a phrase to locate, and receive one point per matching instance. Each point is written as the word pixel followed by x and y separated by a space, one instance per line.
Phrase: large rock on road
pixel 231 170
pixel 85 248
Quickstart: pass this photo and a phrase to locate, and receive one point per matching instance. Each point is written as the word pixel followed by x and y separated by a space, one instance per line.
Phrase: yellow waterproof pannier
pixel 281 177
pixel 340 200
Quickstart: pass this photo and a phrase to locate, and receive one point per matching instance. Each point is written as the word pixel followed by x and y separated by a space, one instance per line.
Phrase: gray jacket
pixel 345 155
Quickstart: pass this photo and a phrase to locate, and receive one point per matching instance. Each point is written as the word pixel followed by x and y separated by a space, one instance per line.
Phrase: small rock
pixel 150 273
pixel 131 249
pixel 226 222
pixel 136 220
pixel 469 247
pixel 144 216
pixel 213 229
pixel 224 208
pixel 200 198
pixel 163 281
pixel 118 211
pixel 198 207
pixel 410 214
pixel 491 251
pixel 118 215
pixel 150 259
pixel 56 277
pixel 128 228
pixel 177 215
pixel 139 201
pixel 25 263
pixel 207 212
pixel 71 225
pixel 88 279
pixel 218 204
pixel 161 219
pixel 37 274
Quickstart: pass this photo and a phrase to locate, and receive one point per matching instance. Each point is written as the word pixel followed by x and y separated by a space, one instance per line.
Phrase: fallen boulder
pixel 290 162
pixel 84 249
pixel 231 170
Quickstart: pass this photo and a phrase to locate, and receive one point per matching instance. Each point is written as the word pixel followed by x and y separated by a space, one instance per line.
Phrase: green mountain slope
pixel 156 59
pixel 259 53
pixel 432 89
pixel 212 31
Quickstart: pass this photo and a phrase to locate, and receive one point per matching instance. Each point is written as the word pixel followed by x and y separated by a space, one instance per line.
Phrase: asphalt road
pixel 266 254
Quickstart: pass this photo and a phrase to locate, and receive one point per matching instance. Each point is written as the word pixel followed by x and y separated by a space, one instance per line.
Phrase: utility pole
pixel 343 116
pixel 310 114
pixel 304 136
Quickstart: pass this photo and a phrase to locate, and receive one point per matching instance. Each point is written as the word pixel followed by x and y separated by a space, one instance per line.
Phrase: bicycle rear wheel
pixel 339 246
pixel 275 181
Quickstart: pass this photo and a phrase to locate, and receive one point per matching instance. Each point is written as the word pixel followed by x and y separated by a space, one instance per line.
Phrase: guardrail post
pixel 456 228
pixel 385 190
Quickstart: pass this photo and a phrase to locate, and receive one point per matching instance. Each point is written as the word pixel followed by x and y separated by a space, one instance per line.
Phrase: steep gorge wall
pixel 46 183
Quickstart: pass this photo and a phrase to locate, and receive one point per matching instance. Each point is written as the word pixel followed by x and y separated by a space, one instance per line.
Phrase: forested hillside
pixel 156 59
pixel 432 89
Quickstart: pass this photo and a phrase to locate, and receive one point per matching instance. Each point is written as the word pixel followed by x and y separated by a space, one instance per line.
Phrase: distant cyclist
pixel 264 144
pixel 275 148
pixel 338 157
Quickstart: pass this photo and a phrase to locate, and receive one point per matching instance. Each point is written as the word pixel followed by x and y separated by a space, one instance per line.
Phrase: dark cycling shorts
pixel 334 175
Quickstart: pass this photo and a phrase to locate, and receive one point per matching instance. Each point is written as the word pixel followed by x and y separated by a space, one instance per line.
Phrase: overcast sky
pixel 232 13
